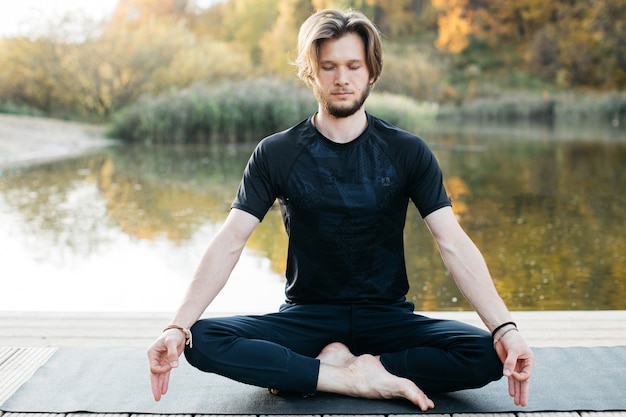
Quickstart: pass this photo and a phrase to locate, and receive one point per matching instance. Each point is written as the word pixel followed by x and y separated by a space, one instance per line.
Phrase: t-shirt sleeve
pixel 426 188
pixel 256 194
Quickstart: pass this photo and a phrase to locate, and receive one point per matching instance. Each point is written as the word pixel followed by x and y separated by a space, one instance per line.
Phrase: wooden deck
pixel 27 340
pixel 544 328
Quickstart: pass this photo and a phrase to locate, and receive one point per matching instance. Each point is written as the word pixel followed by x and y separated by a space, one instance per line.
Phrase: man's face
pixel 342 82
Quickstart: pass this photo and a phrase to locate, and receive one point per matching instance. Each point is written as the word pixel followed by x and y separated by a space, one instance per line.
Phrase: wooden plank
pixel 98 415
pixel 19 367
pixel 545 328
pixel 153 415
pixel 6 353
pixel 33 415
pixel 483 415
pixel 277 415
pixel 435 415
pixel 352 415
pixel 551 414
pixel 238 415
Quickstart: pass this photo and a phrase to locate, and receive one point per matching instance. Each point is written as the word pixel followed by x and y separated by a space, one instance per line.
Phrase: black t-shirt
pixel 344 207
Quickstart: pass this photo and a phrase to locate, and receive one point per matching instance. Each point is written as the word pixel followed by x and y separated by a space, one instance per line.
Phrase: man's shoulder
pixel 296 135
pixel 394 136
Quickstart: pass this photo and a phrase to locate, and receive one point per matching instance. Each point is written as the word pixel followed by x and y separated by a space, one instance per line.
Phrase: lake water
pixel 122 229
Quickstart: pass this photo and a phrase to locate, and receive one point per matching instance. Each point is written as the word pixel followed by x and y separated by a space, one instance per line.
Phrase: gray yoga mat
pixel 116 381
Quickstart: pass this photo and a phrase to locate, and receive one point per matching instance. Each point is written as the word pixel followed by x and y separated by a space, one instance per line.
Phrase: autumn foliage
pixel 436 50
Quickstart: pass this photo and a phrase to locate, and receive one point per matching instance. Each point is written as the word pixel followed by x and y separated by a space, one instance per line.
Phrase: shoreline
pixel 28 140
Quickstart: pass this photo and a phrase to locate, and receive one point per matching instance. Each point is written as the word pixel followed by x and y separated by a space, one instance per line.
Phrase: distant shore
pixel 29 140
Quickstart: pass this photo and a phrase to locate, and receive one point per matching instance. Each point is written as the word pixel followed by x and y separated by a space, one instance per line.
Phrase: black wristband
pixel 500 327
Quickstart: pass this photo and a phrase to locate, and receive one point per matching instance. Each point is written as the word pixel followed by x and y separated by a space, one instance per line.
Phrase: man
pixel 344 179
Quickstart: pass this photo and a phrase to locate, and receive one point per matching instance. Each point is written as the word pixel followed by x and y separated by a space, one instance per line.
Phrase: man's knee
pixel 486 366
pixel 210 338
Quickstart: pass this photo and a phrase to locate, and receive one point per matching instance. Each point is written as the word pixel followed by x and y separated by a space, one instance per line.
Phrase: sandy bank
pixel 27 140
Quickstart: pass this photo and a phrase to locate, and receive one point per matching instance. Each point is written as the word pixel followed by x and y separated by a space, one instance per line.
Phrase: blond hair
pixel 334 24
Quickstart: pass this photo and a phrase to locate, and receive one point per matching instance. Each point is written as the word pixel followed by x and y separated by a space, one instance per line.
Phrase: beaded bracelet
pixel 500 327
pixel 187 332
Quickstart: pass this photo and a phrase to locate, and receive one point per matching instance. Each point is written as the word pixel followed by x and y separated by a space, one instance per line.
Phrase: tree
pixel 109 72
pixel 132 13
pixel 25 76
pixel 572 42
pixel 279 44
pixel 454 25
pixel 246 21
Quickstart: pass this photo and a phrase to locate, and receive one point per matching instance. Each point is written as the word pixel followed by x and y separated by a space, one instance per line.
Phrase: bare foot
pixel 336 354
pixel 366 377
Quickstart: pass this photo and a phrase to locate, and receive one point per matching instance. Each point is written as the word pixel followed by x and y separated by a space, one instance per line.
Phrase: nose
pixel 341 76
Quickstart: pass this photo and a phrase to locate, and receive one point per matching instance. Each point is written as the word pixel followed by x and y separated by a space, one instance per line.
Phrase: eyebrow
pixel 350 61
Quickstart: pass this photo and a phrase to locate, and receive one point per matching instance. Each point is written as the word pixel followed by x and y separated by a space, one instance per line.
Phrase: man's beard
pixel 341 112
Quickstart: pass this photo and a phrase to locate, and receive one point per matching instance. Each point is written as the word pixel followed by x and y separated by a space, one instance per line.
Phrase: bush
pixel 508 108
pixel 555 108
pixel 609 107
pixel 402 111
pixel 229 112
pixel 411 72
pixel 240 112
pixel 10 107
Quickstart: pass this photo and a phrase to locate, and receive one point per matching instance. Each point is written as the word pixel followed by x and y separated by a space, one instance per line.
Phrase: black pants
pixel 278 350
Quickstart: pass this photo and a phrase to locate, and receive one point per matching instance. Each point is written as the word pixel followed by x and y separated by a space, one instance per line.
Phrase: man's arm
pixel 469 270
pixel 211 275
pixel 216 265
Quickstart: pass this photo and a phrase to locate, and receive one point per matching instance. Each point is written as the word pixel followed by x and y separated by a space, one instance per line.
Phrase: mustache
pixel 341 91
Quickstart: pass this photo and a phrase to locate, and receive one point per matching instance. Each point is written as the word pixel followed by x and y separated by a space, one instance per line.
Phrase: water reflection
pixel 124 228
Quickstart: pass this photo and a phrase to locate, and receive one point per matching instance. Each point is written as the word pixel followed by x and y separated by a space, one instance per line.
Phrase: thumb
pixel 509 365
pixel 172 353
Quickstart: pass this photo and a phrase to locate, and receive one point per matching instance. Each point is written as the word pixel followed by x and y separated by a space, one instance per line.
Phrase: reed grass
pixel 507 108
pixel 556 107
pixel 242 112
pixel 10 107
pixel 402 111
pixel 607 107
pixel 229 112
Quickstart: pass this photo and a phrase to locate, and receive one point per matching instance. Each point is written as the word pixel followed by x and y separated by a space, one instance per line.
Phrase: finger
pixel 518 391
pixel 521 376
pixel 157 365
pixel 165 383
pixel 156 368
pixel 156 386
pixel 524 390
pixel 512 388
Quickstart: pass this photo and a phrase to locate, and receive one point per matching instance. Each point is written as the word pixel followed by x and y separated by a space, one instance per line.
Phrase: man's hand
pixel 518 362
pixel 163 357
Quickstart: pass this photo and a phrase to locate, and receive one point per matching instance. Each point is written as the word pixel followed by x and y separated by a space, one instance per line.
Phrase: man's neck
pixel 343 129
